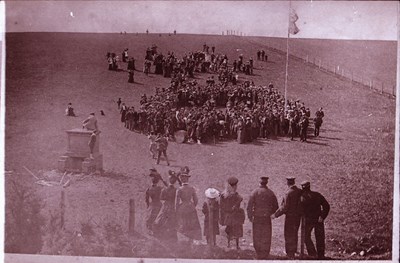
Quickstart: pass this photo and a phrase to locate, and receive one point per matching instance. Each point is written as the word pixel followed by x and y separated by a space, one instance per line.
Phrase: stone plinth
pixel 78 140
pixel 76 159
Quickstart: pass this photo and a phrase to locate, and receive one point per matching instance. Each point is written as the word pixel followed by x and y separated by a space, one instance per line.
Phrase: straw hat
pixel 211 193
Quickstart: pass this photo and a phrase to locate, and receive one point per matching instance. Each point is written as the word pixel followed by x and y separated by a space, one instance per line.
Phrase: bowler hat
pixel 305 183
pixel 211 193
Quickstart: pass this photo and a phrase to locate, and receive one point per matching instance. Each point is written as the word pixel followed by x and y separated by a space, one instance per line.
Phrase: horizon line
pixel 200 34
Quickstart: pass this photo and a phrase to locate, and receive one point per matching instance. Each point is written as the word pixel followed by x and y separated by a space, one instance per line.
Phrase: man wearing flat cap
pixel 315 209
pixel 290 206
pixel 262 204
pixel 231 214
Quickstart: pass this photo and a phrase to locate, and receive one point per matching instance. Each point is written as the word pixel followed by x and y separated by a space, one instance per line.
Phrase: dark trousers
pixel 163 152
pixel 303 134
pixel 291 230
pixel 316 130
pixel 319 232
pixel 262 233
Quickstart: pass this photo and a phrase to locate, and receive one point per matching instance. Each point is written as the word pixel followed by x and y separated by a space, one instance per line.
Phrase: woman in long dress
pixel 153 202
pixel 165 223
pixel 185 203
pixel 231 215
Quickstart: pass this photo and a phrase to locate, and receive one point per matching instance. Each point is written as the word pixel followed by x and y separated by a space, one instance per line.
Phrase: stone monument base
pixel 77 158
pixel 80 164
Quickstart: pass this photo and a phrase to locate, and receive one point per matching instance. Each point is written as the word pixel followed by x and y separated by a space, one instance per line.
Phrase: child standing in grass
pixel 211 216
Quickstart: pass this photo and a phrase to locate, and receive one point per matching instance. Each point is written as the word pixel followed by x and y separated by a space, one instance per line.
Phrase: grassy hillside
pixel 351 164
pixel 368 60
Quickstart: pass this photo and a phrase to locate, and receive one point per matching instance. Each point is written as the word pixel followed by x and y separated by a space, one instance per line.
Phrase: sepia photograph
pixel 188 131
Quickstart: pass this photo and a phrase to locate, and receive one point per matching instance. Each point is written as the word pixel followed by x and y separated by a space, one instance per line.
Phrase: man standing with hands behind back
pixel 262 204
pixel 290 206
pixel 315 209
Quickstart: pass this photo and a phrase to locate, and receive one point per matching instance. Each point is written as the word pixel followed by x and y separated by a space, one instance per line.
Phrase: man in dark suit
pixel 290 206
pixel 318 121
pixel 315 209
pixel 262 204
pixel 303 127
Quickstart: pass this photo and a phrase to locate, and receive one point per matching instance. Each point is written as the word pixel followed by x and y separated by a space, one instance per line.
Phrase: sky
pixel 317 19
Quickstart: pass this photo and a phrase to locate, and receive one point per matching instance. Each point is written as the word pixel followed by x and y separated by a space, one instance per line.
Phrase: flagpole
pixel 287 56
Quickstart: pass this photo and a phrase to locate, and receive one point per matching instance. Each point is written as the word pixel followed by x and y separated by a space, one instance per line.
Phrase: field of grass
pixel 363 58
pixel 351 163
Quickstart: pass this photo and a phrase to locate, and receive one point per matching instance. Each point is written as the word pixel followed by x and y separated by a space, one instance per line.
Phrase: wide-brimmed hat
pixel 211 193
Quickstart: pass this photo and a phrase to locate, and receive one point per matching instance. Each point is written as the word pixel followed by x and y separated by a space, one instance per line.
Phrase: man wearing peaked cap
pixel 315 209
pixel 262 204
pixel 291 208
pixel 264 180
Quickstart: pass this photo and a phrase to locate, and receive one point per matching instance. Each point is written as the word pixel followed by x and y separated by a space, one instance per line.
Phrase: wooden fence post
pixel 382 88
pixel 62 207
pixel 307 58
pixel 131 219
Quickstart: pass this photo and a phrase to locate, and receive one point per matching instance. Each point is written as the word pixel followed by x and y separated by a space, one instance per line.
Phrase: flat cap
pixel 290 178
pixel 232 180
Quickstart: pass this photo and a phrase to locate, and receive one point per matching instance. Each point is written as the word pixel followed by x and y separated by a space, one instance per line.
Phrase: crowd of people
pixel 243 112
pixel 220 109
pixel 172 210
